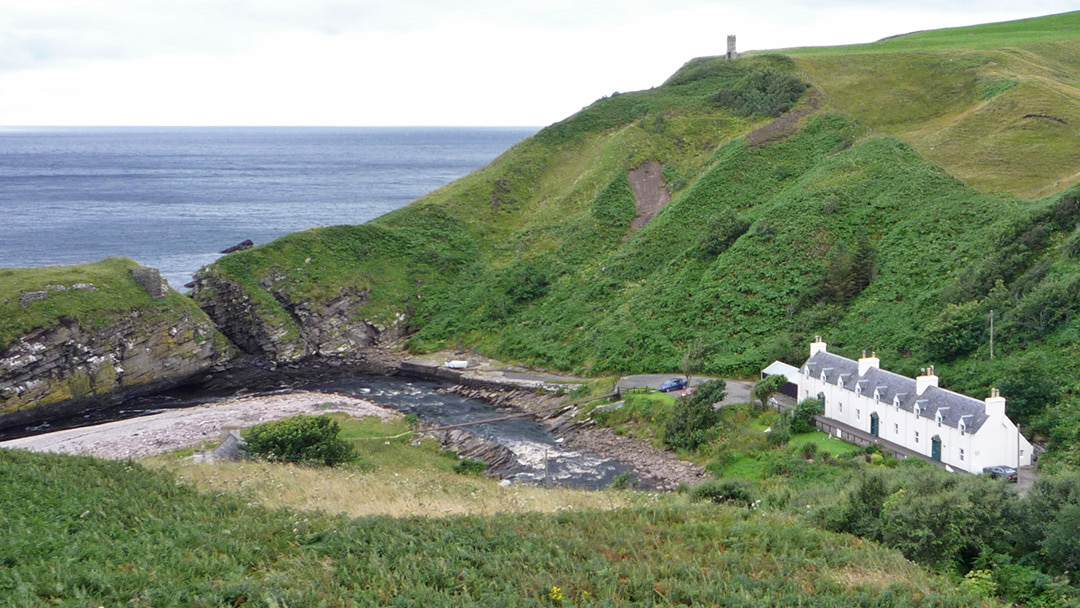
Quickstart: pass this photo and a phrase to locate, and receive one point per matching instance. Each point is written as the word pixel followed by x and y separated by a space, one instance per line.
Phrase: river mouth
pixel 540 457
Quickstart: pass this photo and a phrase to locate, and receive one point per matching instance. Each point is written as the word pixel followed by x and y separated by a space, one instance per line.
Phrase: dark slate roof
pixel 953 406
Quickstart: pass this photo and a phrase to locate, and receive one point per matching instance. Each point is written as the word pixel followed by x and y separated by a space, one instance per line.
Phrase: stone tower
pixel 731 53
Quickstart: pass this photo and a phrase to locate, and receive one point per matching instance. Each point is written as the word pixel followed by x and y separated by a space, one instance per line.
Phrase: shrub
pixel 721 232
pixel 469 466
pixel 623 481
pixel 723 490
pixel 809 450
pixel 527 283
pixel 300 439
pixel 693 420
pixel 802 419
pixel 957 330
pixel 761 93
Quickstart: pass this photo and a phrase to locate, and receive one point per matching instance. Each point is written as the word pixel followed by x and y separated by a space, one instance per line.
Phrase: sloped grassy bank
pixel 108 533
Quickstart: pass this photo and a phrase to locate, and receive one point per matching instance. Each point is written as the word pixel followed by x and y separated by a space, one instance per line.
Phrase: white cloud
pixel 334 62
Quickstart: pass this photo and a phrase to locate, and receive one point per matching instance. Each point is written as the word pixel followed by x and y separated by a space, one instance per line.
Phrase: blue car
pixel 674 384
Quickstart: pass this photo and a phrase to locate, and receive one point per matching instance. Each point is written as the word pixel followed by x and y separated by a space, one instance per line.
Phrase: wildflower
pixel 556 594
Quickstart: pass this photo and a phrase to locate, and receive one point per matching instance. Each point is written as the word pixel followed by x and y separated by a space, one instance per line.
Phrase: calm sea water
pixel 171 198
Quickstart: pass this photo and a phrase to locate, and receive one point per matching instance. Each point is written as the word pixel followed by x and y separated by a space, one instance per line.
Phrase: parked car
pixel 673 385
pixel 686 392
pixel 1006 473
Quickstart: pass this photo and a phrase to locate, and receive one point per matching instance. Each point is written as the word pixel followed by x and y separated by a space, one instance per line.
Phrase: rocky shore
pixel 657 468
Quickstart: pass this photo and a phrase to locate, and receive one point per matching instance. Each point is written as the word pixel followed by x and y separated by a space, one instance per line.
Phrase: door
pixel 935 448
pixel 874 424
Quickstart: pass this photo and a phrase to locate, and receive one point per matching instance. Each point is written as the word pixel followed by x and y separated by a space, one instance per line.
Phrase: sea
pixel 172 198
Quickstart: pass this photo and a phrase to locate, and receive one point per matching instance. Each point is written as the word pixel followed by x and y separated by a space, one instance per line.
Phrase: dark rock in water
pixel 242 245
pixel 500 460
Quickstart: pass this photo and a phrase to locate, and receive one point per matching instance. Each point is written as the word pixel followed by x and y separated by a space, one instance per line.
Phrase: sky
pixel 400 62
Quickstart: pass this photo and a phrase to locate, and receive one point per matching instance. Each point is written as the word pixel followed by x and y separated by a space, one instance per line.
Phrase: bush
pixel 300 439
pixel 802 419
pixel 693 420
pixel 721 232
pixel 956 330
pixel 468 466
pixel 623 481
pixel 761 93
pixel 723 490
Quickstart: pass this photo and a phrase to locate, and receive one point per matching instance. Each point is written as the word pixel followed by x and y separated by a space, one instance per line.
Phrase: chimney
pixel 995 403
pixel 925 380
pixel 868 363
pixel 817 346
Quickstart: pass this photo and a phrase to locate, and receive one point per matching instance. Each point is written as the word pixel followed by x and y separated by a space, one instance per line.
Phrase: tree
pixel 768 386
pixel 693 420
pixel 692 357
pixel 802 421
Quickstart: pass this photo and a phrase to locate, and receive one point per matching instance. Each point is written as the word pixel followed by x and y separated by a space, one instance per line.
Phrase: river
pixel 541 458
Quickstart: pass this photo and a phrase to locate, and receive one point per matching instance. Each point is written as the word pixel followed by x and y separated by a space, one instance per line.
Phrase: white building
pixel 916 415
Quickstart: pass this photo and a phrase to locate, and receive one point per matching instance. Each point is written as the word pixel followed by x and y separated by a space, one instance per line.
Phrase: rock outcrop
pixel 66 368
pixel 500 460
pixel 284 328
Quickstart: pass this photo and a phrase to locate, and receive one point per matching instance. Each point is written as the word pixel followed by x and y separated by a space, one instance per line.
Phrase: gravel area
pixel 183 428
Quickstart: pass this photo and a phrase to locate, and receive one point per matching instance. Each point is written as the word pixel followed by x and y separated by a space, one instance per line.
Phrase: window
pixel 857 414
pixel 896 428
pixel 841 406
pixel 916 436
pixel 961 454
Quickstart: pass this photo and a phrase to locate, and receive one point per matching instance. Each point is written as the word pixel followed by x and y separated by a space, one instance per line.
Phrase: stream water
pixel 541 457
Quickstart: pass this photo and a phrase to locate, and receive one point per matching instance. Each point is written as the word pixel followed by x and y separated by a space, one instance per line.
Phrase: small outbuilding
pixel 779 368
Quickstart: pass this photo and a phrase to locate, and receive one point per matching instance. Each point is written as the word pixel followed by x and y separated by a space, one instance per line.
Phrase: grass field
pixel 115 533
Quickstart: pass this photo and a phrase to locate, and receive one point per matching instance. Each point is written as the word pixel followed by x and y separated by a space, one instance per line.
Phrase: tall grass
pixel 85 532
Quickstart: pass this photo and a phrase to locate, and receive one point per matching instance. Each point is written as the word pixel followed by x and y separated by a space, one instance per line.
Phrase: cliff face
pixel 68 356
pixel 67 367
pixel 293 328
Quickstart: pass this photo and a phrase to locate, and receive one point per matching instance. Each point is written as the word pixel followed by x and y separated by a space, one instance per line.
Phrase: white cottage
pixel 915 415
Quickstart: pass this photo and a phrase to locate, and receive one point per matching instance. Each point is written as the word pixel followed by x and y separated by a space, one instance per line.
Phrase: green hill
pixel 886 196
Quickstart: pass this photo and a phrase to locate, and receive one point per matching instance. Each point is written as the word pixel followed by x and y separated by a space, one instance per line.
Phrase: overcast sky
pixel 400 62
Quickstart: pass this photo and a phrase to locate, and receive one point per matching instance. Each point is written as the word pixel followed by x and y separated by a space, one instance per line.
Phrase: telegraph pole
pixel 991 335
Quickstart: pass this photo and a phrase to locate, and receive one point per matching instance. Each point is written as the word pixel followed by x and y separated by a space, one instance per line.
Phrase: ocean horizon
pixel 171 198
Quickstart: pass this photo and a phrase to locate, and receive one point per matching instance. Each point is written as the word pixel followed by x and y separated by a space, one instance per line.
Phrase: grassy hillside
pixel 120 534
pixel 910 192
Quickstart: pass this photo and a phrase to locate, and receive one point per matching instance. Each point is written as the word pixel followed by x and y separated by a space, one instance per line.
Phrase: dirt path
pixel 183 428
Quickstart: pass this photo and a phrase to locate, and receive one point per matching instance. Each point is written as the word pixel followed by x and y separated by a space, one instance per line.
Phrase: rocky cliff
pixel 291 328
pixel 96 342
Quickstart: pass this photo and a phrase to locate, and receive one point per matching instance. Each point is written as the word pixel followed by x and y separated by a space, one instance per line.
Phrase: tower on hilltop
pixel 731 53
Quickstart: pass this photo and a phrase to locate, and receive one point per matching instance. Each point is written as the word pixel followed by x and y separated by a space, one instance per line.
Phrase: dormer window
pixel 858 390
pixel 919 407
pixel 877 394
pixel 940 415
pixel 896 402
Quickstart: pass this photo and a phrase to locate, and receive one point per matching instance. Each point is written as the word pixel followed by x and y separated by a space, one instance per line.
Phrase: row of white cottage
pixel 915 414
